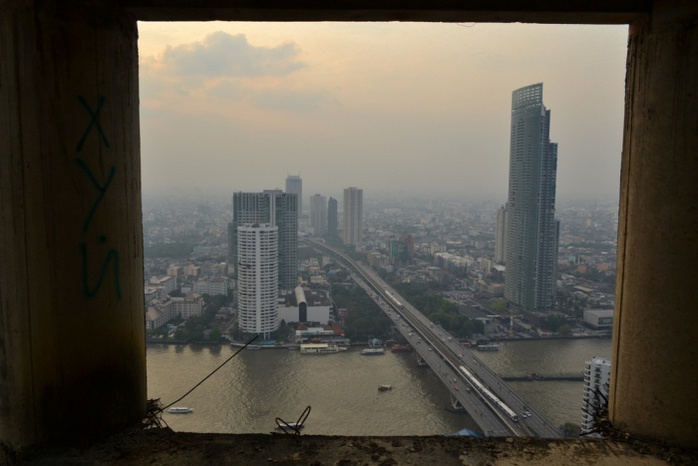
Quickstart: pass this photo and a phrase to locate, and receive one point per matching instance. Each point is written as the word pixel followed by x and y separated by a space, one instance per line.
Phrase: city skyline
pixel 392 107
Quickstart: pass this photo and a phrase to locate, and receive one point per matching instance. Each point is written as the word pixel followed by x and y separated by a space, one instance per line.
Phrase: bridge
pixel 491 403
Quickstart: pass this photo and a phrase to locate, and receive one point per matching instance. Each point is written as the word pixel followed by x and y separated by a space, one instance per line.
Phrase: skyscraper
pixel 332 229
pixel 278 209
pixel 318 214
pixel 531 228
pixel 258 287
pixel 500 244
pixel 294 185
pixel 352 226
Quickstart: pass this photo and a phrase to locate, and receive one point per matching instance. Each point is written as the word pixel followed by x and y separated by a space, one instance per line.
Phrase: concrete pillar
pixel 72 349
pixel 654 377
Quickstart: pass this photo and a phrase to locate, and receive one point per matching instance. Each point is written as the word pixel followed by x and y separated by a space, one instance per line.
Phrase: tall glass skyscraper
pixel 318 214
pixel 531 229
pixel 332 220
pixel 277 209
pixel 294 185
pixel 500 244
pixel 352 227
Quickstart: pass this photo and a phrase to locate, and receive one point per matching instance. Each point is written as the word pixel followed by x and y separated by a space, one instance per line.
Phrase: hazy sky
pixel 388 107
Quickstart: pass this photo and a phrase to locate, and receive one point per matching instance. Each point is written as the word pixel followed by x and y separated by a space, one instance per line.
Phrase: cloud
pixel 291 101
pixel 224 75
pixel 221 54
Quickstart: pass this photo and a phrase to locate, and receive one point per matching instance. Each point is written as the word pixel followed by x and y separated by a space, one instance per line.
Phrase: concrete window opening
pixel 387 90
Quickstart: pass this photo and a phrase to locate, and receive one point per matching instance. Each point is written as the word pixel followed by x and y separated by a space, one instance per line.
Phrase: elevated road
pixel 494 406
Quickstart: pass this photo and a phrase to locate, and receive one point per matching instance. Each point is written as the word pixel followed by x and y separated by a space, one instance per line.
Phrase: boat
pixel 384 388
pixel 374 348
pixel 320 348
pixel 488 347
pixel 180 410
pixel 401 349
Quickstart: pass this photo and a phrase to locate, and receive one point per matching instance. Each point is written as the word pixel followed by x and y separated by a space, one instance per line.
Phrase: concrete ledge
pixel 162 446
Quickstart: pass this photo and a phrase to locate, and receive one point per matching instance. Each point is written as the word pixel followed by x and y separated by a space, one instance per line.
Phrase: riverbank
pixel 224 342
pixel 553 337
pixel 221 342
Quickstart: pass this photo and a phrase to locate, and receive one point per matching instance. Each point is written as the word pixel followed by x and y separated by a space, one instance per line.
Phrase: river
pixel 255 387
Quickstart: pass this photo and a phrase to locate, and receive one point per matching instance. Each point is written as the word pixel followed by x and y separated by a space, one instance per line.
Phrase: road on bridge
pixel 503 413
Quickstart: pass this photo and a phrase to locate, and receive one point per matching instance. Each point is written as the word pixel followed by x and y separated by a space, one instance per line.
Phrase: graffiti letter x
pixel 94 121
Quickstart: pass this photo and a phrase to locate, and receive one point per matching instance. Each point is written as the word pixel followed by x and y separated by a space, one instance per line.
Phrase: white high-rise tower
pixel 597 377
pixel 278 209
pixel 258 278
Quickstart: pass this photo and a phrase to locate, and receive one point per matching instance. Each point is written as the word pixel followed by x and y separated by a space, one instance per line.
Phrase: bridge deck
pixel 502 413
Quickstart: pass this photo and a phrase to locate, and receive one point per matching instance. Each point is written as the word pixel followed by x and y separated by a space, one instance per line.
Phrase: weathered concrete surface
pixel 654 358
pixel 164 447
pixel 72 338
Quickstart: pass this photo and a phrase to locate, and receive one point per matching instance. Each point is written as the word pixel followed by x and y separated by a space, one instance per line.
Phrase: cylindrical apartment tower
pixel 258 278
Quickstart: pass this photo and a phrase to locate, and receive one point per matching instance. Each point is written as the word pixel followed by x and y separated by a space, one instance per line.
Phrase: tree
pixel 499 305
pixel 180 334
pixel 215 334
pixel 553 323
pixel 565 330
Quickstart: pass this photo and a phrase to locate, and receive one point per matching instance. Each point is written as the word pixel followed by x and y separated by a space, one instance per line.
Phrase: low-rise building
pixel 314 333
pixel 304 305
pixel 599 318
pixel 190 306
pixel 160 312
pixel 211 287
pixel 167 283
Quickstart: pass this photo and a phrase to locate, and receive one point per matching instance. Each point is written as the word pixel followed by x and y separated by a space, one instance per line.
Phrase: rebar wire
pixel 297 426
pixel 209 375
pixel 153 415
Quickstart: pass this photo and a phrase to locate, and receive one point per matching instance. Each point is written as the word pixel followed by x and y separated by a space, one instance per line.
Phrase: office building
pixel 258 278
pixel 597 377
pixel 318 214
pixel 352 215
pixel 278 209
pixel 294 185
pixel 531 229
pixel 332 229
pixel 500 244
